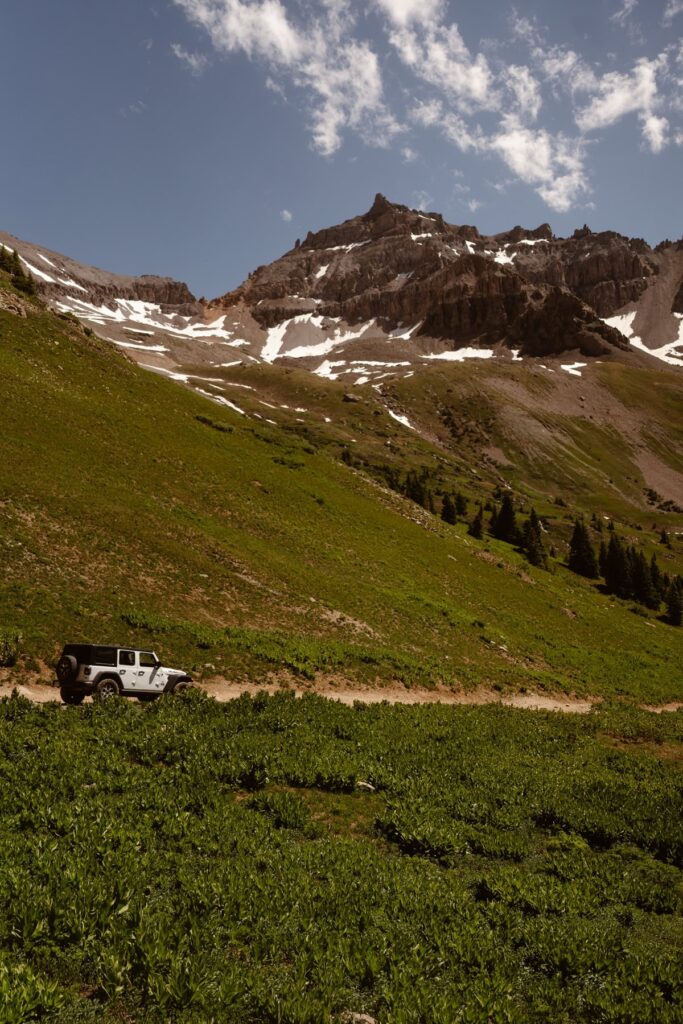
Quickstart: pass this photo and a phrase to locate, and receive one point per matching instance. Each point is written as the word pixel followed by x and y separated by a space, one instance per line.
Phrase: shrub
pixel 10 645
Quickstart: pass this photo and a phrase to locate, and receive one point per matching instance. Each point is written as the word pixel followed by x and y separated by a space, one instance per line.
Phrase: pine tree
pixel 643 590
pixel 429 502
pixel 582 558
pixel 617 570
pixel 532 541
pixel 674 603
pixel 493 519
pixel 460 505
pixel 664 539
pixel 506 521
pixel 476 527
pixel 602 558
pixel 657 578
pixel 448 511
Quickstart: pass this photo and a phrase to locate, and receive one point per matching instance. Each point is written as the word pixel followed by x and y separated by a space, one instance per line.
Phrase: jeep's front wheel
pixel 107 688
pixel 182 686
pixel 71 696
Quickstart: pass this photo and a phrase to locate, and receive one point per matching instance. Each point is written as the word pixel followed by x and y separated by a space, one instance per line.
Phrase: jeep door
pixel 127 670
pixel 151 677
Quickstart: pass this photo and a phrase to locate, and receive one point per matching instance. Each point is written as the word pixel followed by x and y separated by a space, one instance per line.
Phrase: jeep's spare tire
pixel 67 668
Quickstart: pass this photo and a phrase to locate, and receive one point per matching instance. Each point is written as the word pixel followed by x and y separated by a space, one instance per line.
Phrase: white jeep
pixel 105 671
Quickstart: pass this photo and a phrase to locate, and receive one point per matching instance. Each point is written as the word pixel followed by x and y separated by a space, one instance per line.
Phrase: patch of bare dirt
pixel 223 690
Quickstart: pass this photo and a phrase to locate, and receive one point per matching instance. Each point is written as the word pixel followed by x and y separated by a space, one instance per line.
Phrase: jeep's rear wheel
pixel 71 696
pixel 182 686
pixel 107 688
pixel 67 668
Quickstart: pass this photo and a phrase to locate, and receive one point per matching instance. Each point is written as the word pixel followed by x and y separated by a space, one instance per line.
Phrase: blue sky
pixel 200 138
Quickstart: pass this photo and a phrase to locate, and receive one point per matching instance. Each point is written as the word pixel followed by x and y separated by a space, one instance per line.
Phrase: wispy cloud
pixel 624 12
pixel 673 7
pixel 423 200
pixel 196 63
pixel 135 108
pixel 286 216
pixel 483 103
pixel 339 73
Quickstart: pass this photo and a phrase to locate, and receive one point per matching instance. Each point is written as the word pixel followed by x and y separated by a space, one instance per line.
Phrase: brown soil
pixel 223 690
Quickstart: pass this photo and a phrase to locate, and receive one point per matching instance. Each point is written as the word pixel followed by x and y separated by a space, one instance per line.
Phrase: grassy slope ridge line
pixel 126 517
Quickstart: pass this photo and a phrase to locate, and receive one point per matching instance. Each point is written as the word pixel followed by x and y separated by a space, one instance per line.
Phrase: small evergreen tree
pixel 476 527
pixel 582 558
pixel 643 589
pixel 674 603
pixel 532 541
pixel 506 521
pixel 460 505
pixel 657 578
pixel 602 558
pixel 664 539
pixel 448 510
pixel 493 519
pixel 617 569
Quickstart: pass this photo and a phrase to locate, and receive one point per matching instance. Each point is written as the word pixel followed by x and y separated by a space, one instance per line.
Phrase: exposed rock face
pixel 397 266
pixel 387 292
pixel 677 305
pixel 57 275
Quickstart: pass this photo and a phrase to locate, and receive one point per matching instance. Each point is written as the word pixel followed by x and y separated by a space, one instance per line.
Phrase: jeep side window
pixel 126 657
pixel 148 660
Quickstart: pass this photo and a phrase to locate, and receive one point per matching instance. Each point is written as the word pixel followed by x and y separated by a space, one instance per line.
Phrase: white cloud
pixel 438 55
pixel 474 205
pixel 655 131
pixel 339 75
pixel 673 7
pixel 567 69
pixel 423 200
pixel 260 28
pixel 482 103
pixel 137 107
pixel 286 216
pixel 625 11
pixel 525 90
pixel 196 63
pixel 620 94
pixel 553 165
pixel 403 12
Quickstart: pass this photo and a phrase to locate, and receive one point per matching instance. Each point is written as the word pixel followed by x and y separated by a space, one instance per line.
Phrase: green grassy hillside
pixel 133 510
pixel 281 861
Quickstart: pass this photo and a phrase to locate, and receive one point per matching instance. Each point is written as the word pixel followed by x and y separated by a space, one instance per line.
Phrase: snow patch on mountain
pixel 148 314
pixel 37 273
pixel 462 353
pixel 573 368
pixel 671 352
pixel 403 420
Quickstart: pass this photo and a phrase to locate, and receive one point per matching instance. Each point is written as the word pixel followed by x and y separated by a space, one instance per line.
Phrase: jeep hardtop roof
pixel 99 654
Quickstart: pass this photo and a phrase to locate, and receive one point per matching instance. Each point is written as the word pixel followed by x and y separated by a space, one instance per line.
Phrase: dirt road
pixel 223 690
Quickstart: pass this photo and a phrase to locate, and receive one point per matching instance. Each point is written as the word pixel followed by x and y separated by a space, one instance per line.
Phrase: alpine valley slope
pixel 136 511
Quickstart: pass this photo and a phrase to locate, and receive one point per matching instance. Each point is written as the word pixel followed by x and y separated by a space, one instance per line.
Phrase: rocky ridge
pixel 388 291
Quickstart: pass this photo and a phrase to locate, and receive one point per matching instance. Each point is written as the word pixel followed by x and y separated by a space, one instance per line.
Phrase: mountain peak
pixel 383 206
